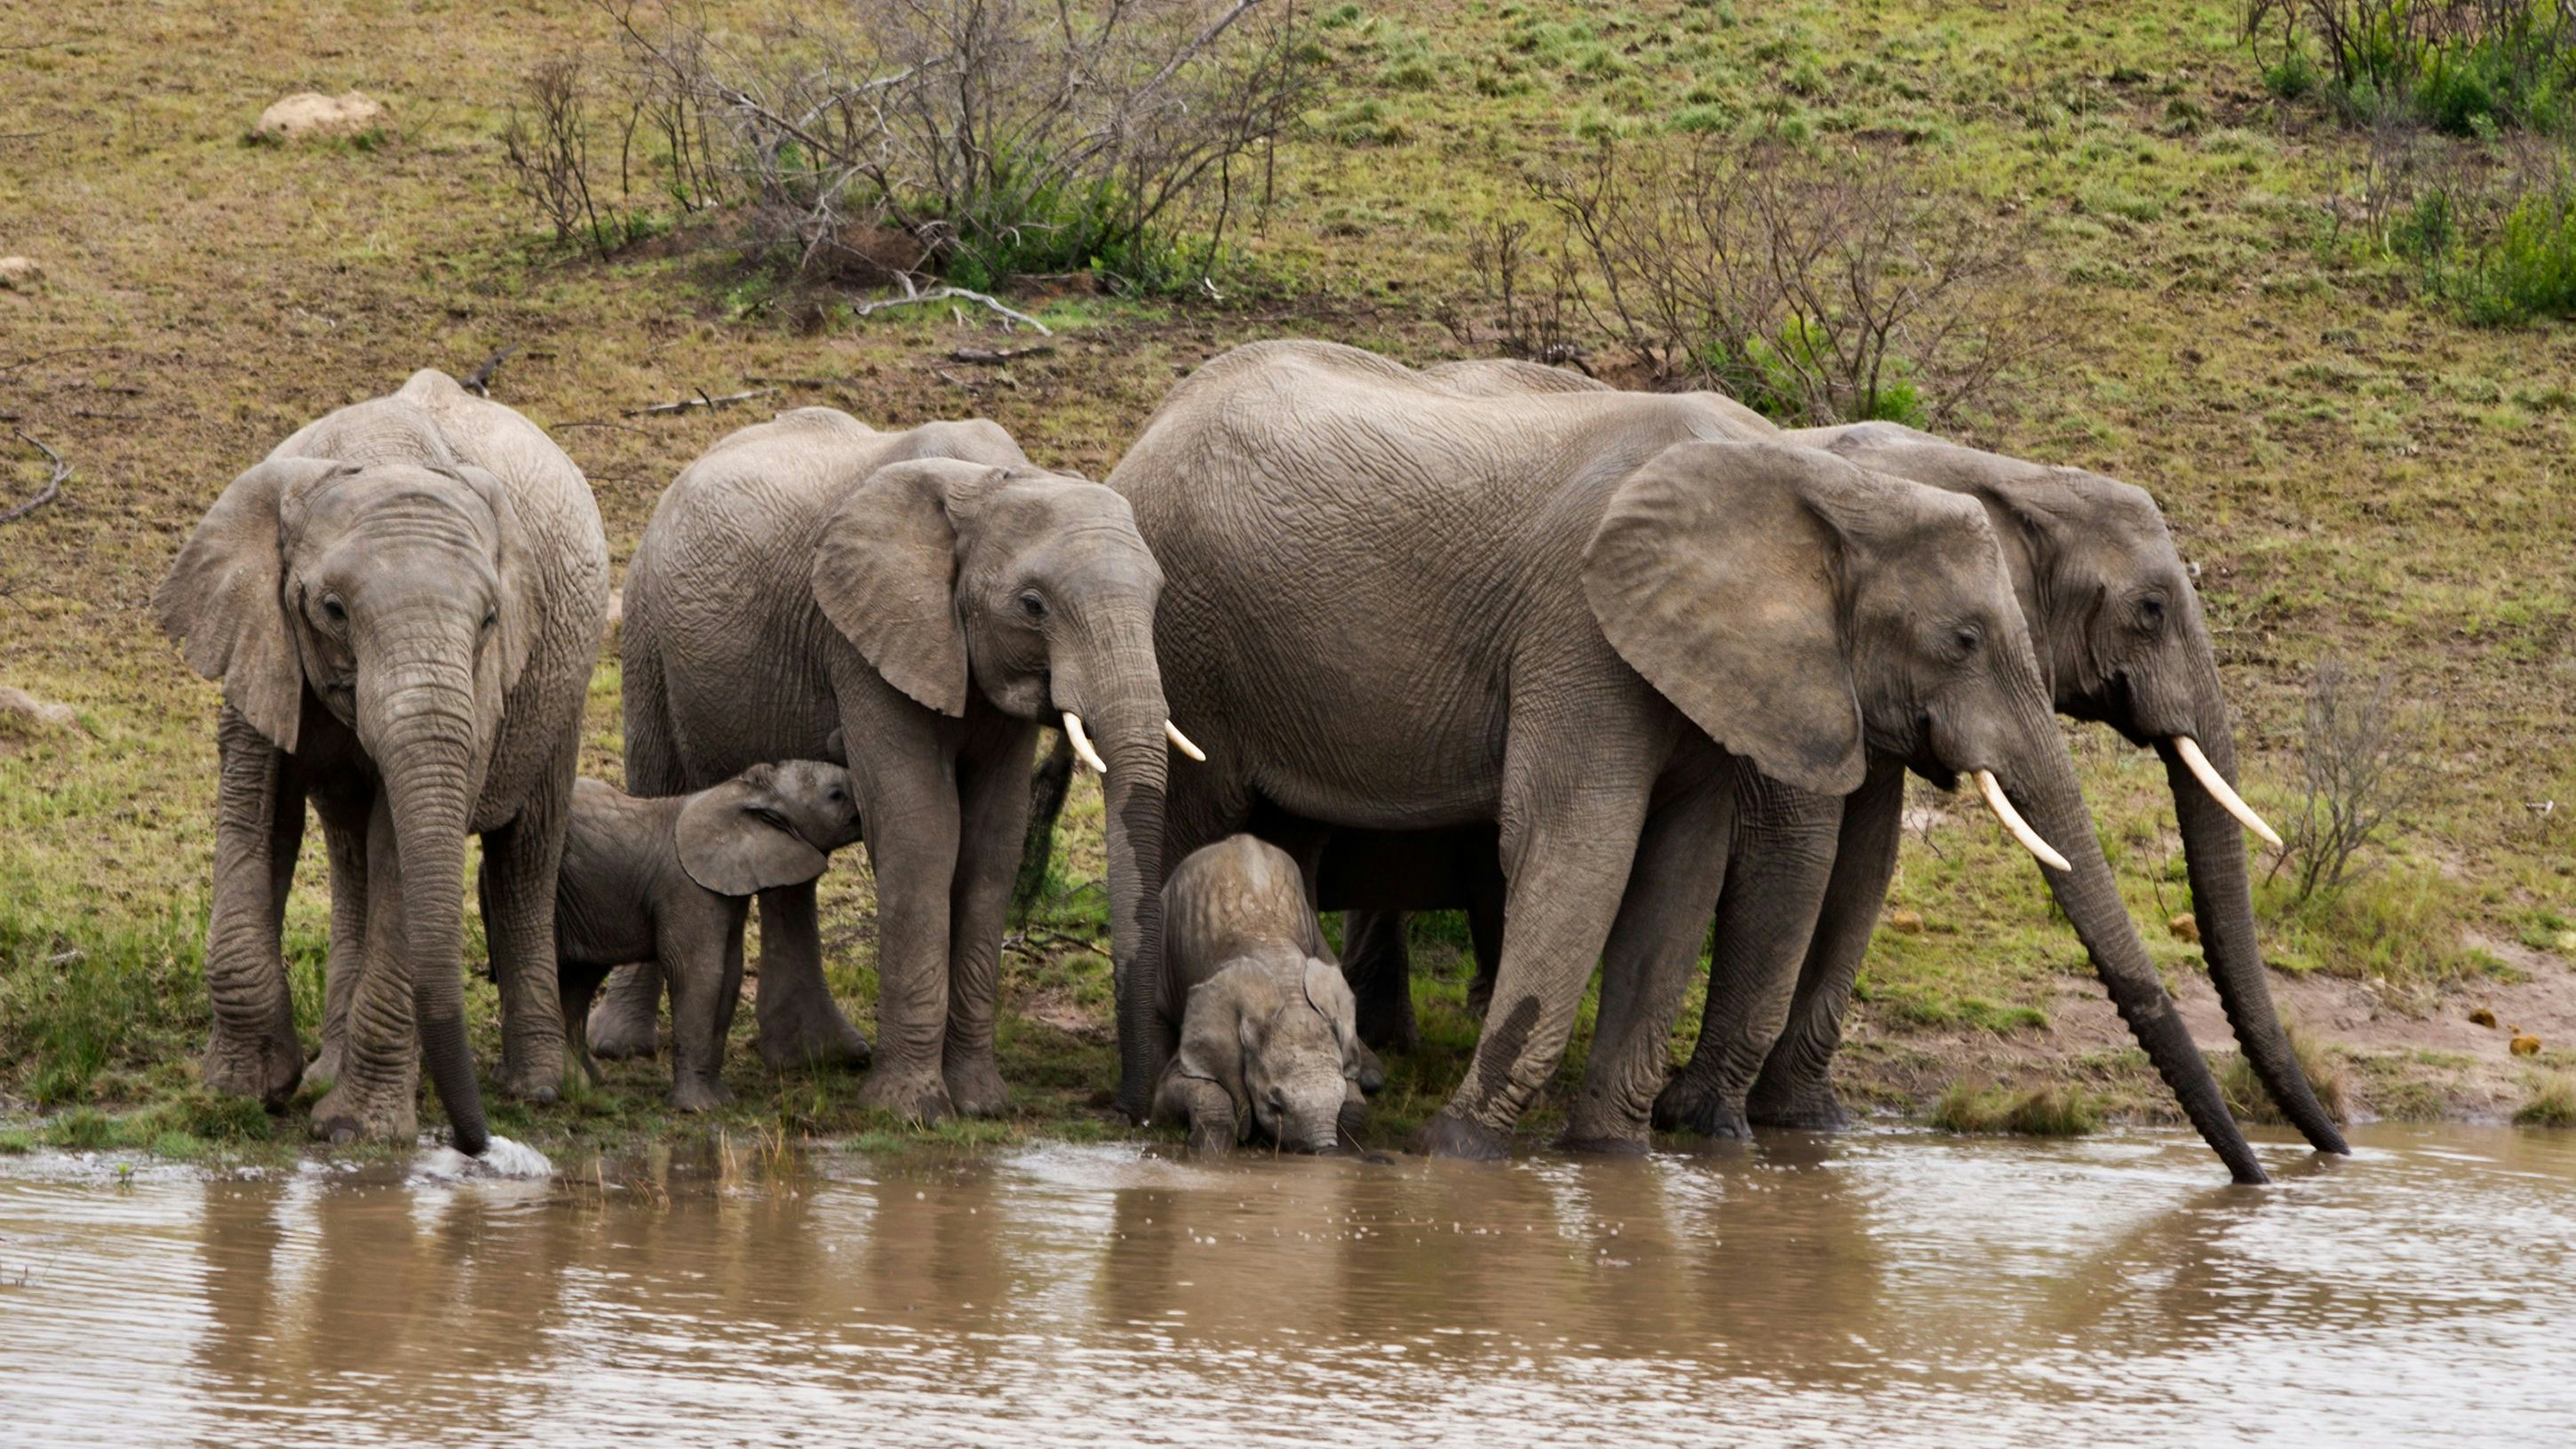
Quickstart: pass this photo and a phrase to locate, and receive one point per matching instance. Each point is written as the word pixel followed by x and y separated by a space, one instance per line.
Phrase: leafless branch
pixel 943 294
pixel 53 488
pixel 997 356
pixel 700 401
pixel 479 381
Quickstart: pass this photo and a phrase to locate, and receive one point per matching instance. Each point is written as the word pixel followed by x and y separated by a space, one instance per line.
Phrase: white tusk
pixel 2220 791
pixel 1173 733
pixel 1082 743
pixel 1993 790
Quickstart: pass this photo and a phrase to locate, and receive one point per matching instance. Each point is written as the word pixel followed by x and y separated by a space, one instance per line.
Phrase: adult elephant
pixel 915 603
pixel 1405 604
pixel 403 602
pixel 2110 603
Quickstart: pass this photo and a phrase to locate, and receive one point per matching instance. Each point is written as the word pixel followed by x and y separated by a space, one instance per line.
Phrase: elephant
pixel 1268 1038
pixel 933 597
pixel 1404 602
pixel 403 601
pixel 2110 602
pixel 670 880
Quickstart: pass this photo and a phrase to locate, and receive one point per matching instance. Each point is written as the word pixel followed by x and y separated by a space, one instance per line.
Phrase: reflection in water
pixel 1894 1288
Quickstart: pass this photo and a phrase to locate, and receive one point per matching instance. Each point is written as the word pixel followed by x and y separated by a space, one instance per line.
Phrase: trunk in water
pixel 2045 790
pixel 2223 903
pixel 430 784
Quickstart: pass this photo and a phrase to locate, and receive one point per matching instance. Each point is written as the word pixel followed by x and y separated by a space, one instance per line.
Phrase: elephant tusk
pixel 1993 790
pixel 1182 741
pixel 2220 791
pixel 1082 743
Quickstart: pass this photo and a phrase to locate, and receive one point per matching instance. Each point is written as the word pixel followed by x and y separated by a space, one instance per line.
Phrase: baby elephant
pixel 669 881
pixel 1269 1039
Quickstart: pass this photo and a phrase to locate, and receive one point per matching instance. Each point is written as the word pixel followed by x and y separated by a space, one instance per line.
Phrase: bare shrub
pixel 984 139
pixel 1533 292
pixel 2361 765
pixel 1816 288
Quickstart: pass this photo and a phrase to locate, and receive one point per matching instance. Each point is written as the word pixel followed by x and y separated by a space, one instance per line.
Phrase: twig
pixel 839 384
pixel 603 423
pixel 700 401
pixel 53 488
pixel 479 381
pixel 996 356
pixel 1027 943
pixel 945 293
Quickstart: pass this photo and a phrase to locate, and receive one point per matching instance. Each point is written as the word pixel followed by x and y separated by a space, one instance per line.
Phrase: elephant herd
pixel 1598 667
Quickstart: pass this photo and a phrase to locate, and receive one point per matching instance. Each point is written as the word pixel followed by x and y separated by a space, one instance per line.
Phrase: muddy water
pixel 1883 1288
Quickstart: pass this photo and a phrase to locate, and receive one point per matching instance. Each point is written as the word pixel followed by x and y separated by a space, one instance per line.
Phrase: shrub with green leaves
pixel 2464 67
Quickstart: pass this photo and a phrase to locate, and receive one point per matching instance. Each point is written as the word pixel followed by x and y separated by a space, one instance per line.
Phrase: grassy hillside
pixel 2358 472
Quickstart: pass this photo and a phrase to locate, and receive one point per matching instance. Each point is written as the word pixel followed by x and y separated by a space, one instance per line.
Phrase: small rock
pixel 18 702
pixel 2185 927
pixel 2482 1017
pixel 2524 1044
pixel 21 274
pixel 310 113
pixel 1908 923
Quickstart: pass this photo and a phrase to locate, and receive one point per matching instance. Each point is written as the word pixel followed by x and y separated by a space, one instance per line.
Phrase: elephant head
pixel 1273 1030
pixel 1807 613
pixel 2122 641
pixel 1036 590
pixel 770 826
pixel 398 597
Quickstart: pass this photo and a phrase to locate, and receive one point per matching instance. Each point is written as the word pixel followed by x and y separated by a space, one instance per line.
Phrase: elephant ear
pixel 1714 573
pixel 1222 1022
pixel 1329 992
pixel 517 624
pixel 885 574
pixel 734 841
pixel 224 604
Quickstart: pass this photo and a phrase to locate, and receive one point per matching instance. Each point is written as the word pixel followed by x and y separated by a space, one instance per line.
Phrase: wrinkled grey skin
pixel 403 602
pixel 1268 1038
pixel 2111 605
pixel 670 880
pixel 934 598
pixel 1578 615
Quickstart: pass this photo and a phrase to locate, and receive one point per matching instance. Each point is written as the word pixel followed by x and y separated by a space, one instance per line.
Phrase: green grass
pixel 2250 1102
pixel 2552 1103
pixel 2052 1110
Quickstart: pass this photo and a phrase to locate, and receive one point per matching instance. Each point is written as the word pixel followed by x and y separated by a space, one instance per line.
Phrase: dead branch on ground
pixel 53 488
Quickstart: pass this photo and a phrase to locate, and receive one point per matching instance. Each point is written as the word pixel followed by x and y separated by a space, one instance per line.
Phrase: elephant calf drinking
pixel 670 881
pixel 1269 1037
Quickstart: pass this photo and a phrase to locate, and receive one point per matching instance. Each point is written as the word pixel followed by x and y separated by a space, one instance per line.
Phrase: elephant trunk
pixel 1118 695
pixel 430 753
pixel 2041 780
pixel 2222 902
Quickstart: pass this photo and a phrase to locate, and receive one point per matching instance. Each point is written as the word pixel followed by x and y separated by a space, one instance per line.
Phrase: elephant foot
pixel 619 1031
pixel 975 1086
pixel 344 1115
pixel 1687 1103
pixel 816 1038
pixel 325 1066
pixel 537 1081
pixel 1450 1135
pixel 691 1094
pixel 915 1096
pixel 1372 1071
pixel 266 1068
pixel 1809 1108
pixel 1602 1146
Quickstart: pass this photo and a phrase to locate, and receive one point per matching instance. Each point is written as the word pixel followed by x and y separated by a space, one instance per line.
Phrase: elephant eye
pixel 332 611
pixel 1032 607
pixel 2151 611
pixel 1968 638
pixel 491 617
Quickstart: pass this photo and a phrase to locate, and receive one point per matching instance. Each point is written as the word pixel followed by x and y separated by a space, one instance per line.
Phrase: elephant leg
pixel 916 869
pixel 626 1021
pixel 377 1094
pixel 1783 854
pixel 1380 971
pixel 577 987
pixel 993 808
pixel 1569 837
pixel 259 824
pixel 700 950
pixel 344 836
pixel 1681 864
pixel 1485 933
pixel 1795 1088
pixel 800 1026
pixel 519 865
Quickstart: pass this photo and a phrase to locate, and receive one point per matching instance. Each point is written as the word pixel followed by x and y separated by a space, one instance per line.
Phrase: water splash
pixel 502 1158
